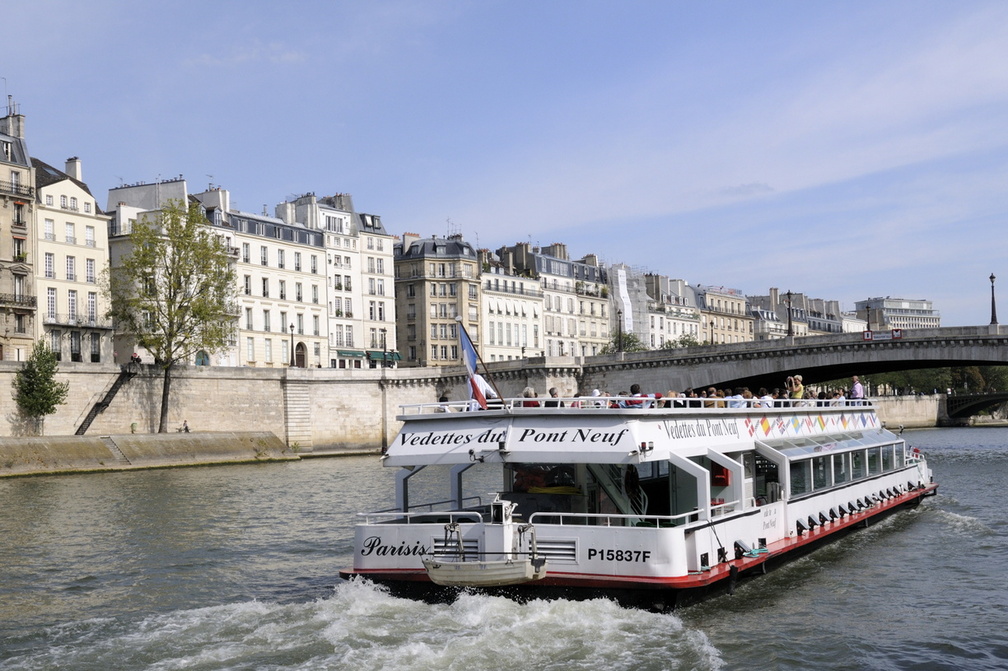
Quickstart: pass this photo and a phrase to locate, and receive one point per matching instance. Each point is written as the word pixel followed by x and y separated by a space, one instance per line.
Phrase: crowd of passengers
pixel 741 397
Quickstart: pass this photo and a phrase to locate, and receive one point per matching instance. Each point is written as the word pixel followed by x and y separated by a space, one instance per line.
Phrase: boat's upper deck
pixel 622 430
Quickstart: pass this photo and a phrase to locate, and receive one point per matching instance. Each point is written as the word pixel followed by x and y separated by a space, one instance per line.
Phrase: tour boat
pixel 624 497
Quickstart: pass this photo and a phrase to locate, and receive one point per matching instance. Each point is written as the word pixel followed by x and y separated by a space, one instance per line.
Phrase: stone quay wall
pixel 318 410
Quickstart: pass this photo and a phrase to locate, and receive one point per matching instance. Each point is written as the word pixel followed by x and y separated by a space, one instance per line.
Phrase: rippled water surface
pixel 236 568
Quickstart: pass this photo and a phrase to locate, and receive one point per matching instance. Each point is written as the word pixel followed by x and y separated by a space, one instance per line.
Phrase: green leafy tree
pixel 685 340
pixel 175 290
pixel 630 342
pixel 36 390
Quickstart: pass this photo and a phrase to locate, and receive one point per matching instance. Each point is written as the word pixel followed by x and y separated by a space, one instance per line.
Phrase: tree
pixel 630 342
pixel 174 292
pixel 685 340
pixel 36 390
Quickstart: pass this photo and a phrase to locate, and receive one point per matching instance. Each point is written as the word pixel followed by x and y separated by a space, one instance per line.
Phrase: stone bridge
pixel 962 406
pixel 768 363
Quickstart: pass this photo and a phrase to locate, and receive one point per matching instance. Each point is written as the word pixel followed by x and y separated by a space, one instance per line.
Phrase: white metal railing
pixel 606 520
pixel 691 405
pixel 411 517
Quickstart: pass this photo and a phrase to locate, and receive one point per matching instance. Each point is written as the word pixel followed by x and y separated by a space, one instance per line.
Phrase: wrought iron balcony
pixel 17 300
pixel 12 189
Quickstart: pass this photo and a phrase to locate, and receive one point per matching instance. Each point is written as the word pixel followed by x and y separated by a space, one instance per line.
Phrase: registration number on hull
pixel 619 555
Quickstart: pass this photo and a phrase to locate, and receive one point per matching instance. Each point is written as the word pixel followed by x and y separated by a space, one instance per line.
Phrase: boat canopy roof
pixel 450 433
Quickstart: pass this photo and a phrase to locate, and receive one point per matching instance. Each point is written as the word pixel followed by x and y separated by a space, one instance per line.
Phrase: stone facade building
pixel 72 246
pixel 18 256
pixel 437 288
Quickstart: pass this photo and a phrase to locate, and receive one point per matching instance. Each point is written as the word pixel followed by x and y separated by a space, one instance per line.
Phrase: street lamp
pixel 384 361
pixel 790 329
pixel 993 305
pixel 292 345
pixel 619 326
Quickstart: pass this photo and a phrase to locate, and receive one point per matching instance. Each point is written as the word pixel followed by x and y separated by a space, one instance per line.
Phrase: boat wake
pixel 362 626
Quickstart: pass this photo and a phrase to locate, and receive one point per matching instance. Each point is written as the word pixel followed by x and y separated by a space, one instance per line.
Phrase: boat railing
pixel 722 507
pixel 604 403
pixel 607 520
pixel 427 517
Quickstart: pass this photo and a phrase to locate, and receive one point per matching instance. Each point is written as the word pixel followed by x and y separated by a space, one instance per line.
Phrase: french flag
pixel 470 358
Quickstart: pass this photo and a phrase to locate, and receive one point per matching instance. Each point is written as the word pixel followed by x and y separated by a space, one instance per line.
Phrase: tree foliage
pixel 685 340
pixel 36 391
pixel 175 290
pixel 630 342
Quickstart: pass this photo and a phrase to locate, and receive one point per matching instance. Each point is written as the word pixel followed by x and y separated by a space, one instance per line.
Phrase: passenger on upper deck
pixel 529 393
pixel 795 387
pixel 553 402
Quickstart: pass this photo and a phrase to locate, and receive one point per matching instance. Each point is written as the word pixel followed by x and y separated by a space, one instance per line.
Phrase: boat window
pixel 840 468
pixel 820 473
pixel 748 461
pixel 800 477
pixel 800 446
pixel 857 465
pixel 900 456
pixel 887 457
pixel 874 460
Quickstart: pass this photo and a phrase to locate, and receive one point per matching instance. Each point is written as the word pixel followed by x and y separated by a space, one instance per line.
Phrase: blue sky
pixel 844 150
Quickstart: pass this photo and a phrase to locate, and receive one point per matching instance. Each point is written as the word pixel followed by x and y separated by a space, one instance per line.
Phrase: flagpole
pixel 489 377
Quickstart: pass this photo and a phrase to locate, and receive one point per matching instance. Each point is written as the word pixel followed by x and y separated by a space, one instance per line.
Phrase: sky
pixel 843 150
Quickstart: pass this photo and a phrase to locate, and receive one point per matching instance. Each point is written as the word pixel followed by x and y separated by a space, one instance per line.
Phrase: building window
pixel 263 258
pixel 250 350
pixel 95 348
pixel 315 324
pixel 89 271
pixel 314 294
pixel 51 303
pixel 280 258
pixel 265 287
pixel 266 320
pixel 283 289
pixel 89 236
pixel 248 319
pixel 50 229
pixel 71 237
pixel 314 264
pixel 92 307
pixel 50 261
pixel 72 305
pixel 71 268
pixel 297 261
pixel 245 252
pixel 268 350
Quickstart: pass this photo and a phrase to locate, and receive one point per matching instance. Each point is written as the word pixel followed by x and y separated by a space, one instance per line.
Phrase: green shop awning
pixel 384 356
pixel 349 353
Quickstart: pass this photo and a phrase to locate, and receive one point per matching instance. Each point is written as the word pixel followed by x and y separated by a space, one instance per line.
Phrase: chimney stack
pixel 73 168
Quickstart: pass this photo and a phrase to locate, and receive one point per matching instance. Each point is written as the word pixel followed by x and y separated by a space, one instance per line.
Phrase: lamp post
pixel 790 329
pixel 292 364
pixel 993 305
pixel 384 361
pixel 619 332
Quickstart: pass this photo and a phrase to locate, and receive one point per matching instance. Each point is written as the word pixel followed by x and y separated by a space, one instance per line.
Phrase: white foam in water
pixel 362 626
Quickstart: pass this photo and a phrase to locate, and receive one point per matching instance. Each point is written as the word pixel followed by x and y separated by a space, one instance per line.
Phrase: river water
pixel 235 567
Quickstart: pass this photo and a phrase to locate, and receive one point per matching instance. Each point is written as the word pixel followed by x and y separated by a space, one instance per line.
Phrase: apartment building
pixel 511 314
pixel 672 311
pixel 898 313
pixel 725 315
pixel 18 257
pixel 360 302
pixel 437 288
pixel 576 313
pixel 71 240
